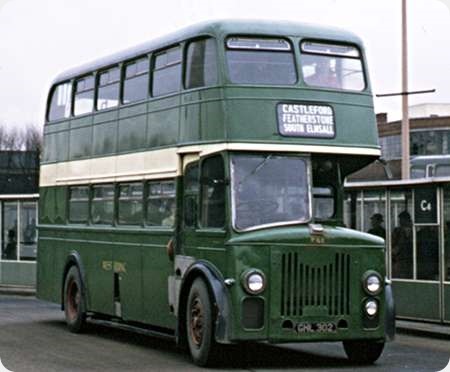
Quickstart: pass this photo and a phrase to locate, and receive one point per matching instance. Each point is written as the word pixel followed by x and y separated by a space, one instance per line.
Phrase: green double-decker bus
pixel 193 187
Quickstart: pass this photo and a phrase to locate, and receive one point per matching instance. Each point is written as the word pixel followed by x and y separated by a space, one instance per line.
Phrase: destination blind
pixel 305 120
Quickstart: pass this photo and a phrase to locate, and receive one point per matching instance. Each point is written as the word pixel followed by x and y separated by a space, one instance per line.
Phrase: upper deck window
pixel 108 88
pixel 201 64
pixel 167 72
pixel 135 85
pixel 60 102
pixel 332 66
pixel 84 95
pixel 260 61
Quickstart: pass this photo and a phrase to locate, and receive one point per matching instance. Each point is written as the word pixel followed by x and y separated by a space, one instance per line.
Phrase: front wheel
pixel 363 351
pixel 199 324
pixel 74 301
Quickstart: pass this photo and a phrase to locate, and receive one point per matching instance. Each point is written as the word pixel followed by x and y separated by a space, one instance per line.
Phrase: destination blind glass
pixel 306 120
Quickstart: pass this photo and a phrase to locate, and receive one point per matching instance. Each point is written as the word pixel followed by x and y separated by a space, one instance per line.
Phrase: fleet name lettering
pixel 306 120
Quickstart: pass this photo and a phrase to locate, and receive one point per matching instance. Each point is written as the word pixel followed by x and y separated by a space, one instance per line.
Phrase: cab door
pixel 204 210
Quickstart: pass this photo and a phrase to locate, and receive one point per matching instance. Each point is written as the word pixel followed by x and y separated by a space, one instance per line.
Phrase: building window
pixel 428 142
pixel 9 238
pixel 108 89
pixel 391 147
pixel 161 204
pixel 18 232
pixel 60 102
pixel 201 64
pixel 28 236
pixel 102 206
pixel 167 72
pixel 79 204
pixel 135 85
pixel 402 234
pixel 84 95
pixel 130 203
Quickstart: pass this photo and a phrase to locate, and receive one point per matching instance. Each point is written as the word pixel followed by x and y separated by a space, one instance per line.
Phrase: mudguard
pixel 390 313
pixel 218 292
pixel 74 259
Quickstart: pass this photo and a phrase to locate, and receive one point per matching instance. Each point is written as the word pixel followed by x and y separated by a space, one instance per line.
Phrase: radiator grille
pixel 305 285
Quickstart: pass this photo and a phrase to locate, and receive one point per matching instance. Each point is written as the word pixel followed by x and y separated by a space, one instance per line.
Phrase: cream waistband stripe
pixel 164 163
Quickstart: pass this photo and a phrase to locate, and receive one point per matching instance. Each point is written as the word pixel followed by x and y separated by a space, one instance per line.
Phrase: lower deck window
pixel 161 204
pixel 130 204
pixel 79 204
pixel 102 207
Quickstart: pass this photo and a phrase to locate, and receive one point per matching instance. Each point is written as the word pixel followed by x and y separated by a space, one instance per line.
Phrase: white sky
pixel 40 38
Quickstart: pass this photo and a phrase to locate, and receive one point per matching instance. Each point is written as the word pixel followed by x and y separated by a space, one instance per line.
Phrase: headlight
pixel 372 284
pixel 371 307
pixel 253 282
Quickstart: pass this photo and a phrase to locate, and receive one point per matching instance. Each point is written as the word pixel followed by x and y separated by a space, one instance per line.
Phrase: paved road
pixel 33 337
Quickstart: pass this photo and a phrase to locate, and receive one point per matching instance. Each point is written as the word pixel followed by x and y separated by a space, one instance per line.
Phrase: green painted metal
pixel 18 273
pixel 446 307
pixel 407 305
pixel 130 265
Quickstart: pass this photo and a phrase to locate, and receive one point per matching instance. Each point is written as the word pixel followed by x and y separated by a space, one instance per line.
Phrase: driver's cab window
pixel 325 179
pixel 191 186
pixel 213 193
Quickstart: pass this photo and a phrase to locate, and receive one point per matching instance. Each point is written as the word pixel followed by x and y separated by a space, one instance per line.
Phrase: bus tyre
pixel 362 351
pixel 199 324
pixel 74 301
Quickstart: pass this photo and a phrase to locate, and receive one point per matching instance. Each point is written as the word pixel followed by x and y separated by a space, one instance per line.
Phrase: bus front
pixel 302 275
pixel 299 119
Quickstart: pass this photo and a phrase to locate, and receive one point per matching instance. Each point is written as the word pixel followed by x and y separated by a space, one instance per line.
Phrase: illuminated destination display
pixel 305 120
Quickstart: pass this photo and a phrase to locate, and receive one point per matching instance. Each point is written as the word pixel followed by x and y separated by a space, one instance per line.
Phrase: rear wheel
pixel 363 351
pixel 74 301
pixel 199 324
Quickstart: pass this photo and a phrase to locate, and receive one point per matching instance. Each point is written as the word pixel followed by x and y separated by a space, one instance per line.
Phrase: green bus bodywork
pixel 314 271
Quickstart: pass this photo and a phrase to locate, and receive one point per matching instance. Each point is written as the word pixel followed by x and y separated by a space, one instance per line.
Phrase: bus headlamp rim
pixel 371 304
pixel 246 277
pixel 369 276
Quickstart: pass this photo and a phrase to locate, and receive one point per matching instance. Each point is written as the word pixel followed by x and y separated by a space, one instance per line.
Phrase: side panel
pixel 202 116
pixel 52 210
pixel 156 270
pixel 406 304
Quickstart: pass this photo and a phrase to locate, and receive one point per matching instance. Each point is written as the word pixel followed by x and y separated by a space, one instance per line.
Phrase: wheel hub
pixel 73 299
pixel 196 321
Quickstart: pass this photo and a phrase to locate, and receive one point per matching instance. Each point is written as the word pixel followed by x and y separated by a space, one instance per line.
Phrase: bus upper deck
pixel 234 82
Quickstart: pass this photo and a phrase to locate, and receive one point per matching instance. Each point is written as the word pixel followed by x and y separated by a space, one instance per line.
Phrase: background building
pixel 429 141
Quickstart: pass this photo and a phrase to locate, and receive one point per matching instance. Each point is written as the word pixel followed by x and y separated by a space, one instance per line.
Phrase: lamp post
pixel 404 93
pixel 405 113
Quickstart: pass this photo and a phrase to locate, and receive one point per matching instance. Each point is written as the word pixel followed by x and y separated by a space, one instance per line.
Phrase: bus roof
pixel 217 28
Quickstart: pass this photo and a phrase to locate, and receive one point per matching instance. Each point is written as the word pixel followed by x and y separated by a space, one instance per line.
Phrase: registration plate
pixel 320 327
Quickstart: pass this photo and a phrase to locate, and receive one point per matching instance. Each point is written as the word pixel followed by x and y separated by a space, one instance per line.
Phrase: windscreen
pixel 269 189
pixel 260 61
pixel 332 66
